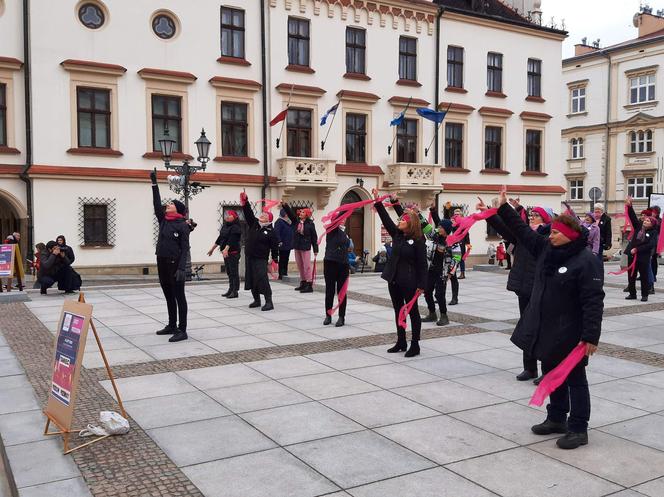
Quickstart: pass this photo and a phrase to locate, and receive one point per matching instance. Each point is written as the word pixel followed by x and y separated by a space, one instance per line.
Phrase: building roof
pixel 654 37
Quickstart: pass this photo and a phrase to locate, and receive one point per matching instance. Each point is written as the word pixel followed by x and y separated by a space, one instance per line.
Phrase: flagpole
pixel 389 147
pixel 322 144
pixel 438 125
pixel 281 131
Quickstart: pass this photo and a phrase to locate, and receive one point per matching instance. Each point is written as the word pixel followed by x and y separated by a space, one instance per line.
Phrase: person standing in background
pixel 229 242
pixel 606 235
pixel 304 240
pixel 284 229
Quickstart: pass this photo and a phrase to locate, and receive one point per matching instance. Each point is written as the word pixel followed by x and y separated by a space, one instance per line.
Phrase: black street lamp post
pixel 181 184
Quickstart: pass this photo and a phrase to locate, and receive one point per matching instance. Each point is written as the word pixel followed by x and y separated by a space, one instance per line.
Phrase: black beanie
pixel 179 206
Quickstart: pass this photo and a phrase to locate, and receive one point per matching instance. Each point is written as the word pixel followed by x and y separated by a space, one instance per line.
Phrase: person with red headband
pixel 228 242
pixel 641 246
pixel 304 239
pixel 261 242
pixel 335 270
pixel 565 309
pixel 172 250
pixel 405 271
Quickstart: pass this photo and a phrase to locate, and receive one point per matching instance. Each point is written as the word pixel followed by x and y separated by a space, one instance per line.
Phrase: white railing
pixel 312 171
pixel 411 175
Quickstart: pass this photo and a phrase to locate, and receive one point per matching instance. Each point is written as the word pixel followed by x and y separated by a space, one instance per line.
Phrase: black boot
pixel 414 349
pixel 626 290
pixel 232 295
pixel 179 336
pixel 401 344
pixel 340 322
pixel 308 287
pixel 644 298
pixel 630 297
pixel 42 290
pixel 255 303
pixel 526 375
pixel 548 427
pixel 572 440
pixel 168 330
pixel 228 292
pixel 268 304
pixel 327 320
pixel 443 321
pixel 652 290
pixel 454 301
pixel 431 318
pixel 300 286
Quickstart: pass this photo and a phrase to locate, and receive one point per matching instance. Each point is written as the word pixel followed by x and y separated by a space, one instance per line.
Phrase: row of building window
pixel 641 90
pixel 638 188
pixel 639 142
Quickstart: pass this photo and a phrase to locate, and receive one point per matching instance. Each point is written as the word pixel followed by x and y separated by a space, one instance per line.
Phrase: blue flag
pixel 431 115
pixel 397 121
pixel 331 110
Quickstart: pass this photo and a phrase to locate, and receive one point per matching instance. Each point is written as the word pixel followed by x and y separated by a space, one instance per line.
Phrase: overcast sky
pixel 609 20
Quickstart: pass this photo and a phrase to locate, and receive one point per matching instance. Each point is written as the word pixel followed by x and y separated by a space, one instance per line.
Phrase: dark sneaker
pixel 179 336
pixel 443 321
pixel 327 320
pixel 549 427
pixel 168 330
pixel 526 375
pixel 233 295
pixel 572 440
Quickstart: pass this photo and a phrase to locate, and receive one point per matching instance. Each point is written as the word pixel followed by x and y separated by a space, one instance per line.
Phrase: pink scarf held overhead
pixel 463 224
pixel 405 310
pixel 557 376
pixel 335 218
pixel 628 221
pixel 269 204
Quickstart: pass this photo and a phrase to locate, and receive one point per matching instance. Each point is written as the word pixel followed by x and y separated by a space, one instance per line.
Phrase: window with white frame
pixel 576 189
pixel 577 148
pixel 639 188
pixel 640 141
pixel 642 89
pixel 578 97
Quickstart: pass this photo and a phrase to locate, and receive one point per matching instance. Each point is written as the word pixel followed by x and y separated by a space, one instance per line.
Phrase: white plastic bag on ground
pixel 111 423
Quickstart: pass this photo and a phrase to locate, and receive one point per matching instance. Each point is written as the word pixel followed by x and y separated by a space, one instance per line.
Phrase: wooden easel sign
pixel 11 265
pixel 75 320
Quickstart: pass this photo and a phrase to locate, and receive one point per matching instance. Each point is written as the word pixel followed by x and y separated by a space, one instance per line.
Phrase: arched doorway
pixel 355 223
pixel 13 218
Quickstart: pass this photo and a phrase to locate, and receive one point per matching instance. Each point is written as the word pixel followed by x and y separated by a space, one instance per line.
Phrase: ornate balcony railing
pixel 410 176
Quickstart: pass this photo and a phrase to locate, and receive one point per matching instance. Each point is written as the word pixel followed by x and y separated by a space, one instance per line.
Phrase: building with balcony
pixel 614 123
pixel 99 101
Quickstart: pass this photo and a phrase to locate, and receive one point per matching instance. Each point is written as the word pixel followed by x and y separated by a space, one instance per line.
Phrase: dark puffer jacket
pixel 646 246
pixel 522 274
pixel 306 240
pixel 336 246
pixel 173 239
pixel 407 266
pixel 230 235
pixel 567 300
pixel 261 240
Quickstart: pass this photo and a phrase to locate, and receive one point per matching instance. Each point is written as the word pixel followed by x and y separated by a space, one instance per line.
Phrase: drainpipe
pixel 27 81
pixel 266 178
pixel 607 55
pixel 441 10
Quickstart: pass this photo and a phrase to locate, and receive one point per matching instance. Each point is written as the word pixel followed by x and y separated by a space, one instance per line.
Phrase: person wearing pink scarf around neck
pixel 304 240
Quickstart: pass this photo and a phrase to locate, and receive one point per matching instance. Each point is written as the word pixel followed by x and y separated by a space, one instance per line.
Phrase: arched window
pixel 640 141
pixel 577 148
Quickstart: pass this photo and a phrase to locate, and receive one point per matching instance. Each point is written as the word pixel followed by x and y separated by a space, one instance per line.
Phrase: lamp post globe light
pixel 180 183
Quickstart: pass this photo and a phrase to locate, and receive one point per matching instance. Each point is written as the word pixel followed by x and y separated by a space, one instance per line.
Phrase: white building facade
pixel 103 90
pixel 614 129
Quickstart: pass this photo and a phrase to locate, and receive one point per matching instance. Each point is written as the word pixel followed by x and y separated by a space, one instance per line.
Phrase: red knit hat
pixel 542 213
pixel 232 214
pixel 647 212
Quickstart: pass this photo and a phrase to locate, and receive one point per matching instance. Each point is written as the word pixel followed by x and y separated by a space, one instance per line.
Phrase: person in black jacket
pixel 304 239
pixel 641 246
pixel 228 242
pixel 335 271
pixel 405 271
pixel 522 274
pixel 605 233
pixel 261 242
pixel 69 252
pixel 565 309
pixel 55 266
pixel 284 229
pixel 172 250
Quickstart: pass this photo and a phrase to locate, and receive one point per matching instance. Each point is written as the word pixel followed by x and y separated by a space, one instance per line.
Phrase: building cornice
pixel 503 24
pixel 495 112
pixel 455 108
pixel 235 84
pixel 399 101
pixel 357 96
pixel 10 63
pixel 88 66
pixel 535 116
pixel 167 75
pixel 300 90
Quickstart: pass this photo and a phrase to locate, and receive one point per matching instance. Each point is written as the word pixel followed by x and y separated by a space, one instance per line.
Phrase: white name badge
pixel 562 270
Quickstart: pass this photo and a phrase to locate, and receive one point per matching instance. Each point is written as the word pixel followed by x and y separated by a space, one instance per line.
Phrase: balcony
pixel 306 172
pixel 408 176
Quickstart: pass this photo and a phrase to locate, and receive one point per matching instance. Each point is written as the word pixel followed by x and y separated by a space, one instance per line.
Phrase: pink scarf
pixel 338 216
pixel 557 376
pixel 405 310
pixel 172 216
pixel 463 224
pixel 341 297
pixel 631 268
pixel 300 227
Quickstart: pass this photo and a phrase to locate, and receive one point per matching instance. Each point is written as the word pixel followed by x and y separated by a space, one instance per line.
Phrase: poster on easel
pixel 7 258
pixel 67 360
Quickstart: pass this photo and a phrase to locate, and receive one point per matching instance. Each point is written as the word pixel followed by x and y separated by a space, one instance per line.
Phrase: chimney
pixel 583 48
pixel 647 22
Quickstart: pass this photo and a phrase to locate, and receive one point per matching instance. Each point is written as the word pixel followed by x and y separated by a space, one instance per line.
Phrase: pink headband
pixel 405 217
pixel 570 233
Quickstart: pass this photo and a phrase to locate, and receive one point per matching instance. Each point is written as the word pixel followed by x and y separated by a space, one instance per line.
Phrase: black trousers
pixel 401 296
pixel 508 258
pixel 232 263
pixel 256 278
pixel 655 264
pixel 572 397
pixel 437 285
pixel 335 274
pixel 529 363
pixel 642 269
pixel 176 301
pixel 284 255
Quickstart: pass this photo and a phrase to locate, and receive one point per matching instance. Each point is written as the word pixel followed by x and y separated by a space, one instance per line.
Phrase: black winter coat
pixel 50 264
pixel 605 233
pixel 173 239
pixel 261 241
pixel 230 235
pixel 522 274
pixel 308 238
pixel 567 300
pixel 336 246
pixel 407 266
pixel 645 247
